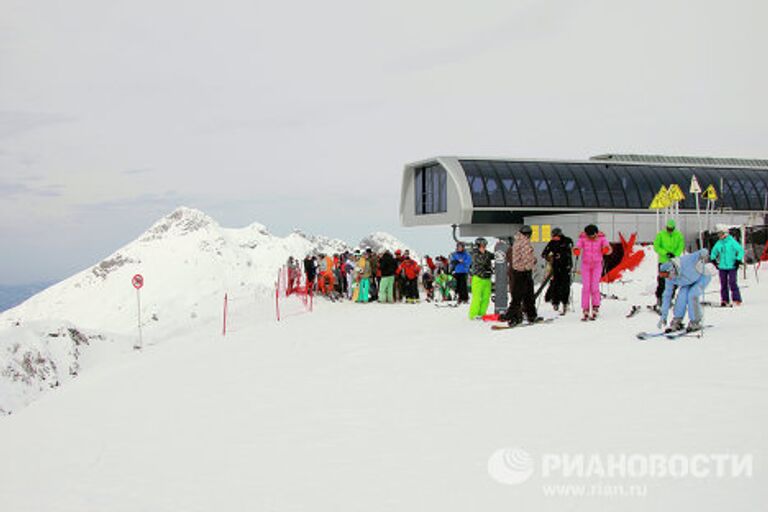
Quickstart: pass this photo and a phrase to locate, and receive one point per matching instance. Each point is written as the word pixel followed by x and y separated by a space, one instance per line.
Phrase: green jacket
pixel 727 251
pixel 667 242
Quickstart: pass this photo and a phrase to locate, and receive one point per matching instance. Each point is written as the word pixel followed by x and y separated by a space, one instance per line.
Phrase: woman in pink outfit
pixel 592 246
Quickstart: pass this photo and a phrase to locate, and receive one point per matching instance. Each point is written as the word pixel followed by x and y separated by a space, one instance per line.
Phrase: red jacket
pixel 410 268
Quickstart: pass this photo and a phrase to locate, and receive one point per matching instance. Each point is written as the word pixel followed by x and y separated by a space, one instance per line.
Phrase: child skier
pixel 691 274
pixel 592 246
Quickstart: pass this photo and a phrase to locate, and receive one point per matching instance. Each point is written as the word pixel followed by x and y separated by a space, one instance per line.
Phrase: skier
pixel 729 255
pixel 428 282
pixel 691 274
pixel 522 265
pixel 387 267
pixel 558 253
pixel 444 281
pixel 399 280
pixel 311 272
pixel 364 278
pixel 592 246
pixel 482 269
pixel 409 269
pixel 669 243
pixel 348 269
pixel 373 261
pixel 460 262
pixel 430 264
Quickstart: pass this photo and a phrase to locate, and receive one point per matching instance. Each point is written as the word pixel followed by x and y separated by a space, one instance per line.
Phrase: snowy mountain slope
pixel 188 262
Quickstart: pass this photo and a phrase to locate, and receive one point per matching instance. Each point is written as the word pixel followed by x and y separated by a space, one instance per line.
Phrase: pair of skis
pixel 673 335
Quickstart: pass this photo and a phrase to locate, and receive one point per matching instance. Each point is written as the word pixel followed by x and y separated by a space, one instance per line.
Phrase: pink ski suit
pixel 591 252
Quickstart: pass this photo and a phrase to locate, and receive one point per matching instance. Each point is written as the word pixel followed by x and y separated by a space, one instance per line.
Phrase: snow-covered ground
pixel 396 407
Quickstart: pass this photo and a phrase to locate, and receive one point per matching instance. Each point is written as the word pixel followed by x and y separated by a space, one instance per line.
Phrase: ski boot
pixel 675 325
pixel 535 320
pixel 585 315
pixel 565 310
pixel 595 311
pixel 694 326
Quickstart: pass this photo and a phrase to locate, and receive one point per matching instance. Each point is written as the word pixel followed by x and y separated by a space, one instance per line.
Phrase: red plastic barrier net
pixel 293 295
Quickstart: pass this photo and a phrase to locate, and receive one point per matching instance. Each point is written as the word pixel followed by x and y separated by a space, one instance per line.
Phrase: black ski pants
pixel 461 287
pixel 522 297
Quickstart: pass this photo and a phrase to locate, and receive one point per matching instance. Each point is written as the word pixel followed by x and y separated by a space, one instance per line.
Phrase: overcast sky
pixel 302 114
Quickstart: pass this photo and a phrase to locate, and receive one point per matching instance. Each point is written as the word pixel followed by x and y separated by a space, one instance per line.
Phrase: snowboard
pixel 501 327
pixel 501 287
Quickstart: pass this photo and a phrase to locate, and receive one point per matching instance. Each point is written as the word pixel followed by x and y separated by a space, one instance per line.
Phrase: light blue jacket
pixel 691 278
pixel 727 251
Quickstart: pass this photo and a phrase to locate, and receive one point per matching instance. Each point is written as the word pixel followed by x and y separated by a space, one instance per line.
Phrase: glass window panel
pixel 761 187
pixel 476 183
pixel 419 190
pixel 740 199
pixel 616 186
pixel 509 184
pixel 599 181
pixel 570 186
pixel 630 186
pixel 524 184
pixel 541 184
pixel 744 177
pixel 559 197
pixel 585 186
pixel 646 183
pixel 443 197
pixel 493 186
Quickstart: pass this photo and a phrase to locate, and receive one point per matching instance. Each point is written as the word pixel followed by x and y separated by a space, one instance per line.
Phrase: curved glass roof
pixel 605 185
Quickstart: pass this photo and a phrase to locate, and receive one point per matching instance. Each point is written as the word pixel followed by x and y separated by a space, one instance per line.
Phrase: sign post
pixel 138 282
pixel 696 190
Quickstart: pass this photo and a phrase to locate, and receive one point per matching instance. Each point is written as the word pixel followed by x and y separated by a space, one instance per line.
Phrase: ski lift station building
pixel 495 196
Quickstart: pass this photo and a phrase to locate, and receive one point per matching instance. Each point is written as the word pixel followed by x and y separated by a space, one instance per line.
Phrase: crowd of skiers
pixel 367 276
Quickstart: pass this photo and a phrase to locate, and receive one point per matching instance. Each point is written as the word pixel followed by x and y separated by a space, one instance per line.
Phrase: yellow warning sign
pixel 661 199
pixel 676 193
pixel 710 193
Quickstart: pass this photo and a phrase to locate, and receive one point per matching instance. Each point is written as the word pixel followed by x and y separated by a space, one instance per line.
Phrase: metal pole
pixel 698 218
pixel 138 302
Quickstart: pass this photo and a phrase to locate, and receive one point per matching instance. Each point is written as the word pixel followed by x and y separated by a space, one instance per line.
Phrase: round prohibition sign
pixel 137 281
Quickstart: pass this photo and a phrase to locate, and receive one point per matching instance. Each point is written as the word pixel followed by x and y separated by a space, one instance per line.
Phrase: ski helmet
pixel 481 241
pixel 526 230
pixel 557 232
